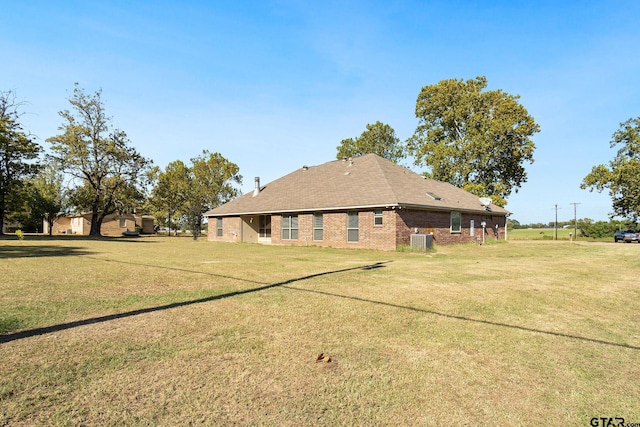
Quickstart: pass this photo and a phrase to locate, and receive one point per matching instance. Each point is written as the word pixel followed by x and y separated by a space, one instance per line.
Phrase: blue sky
pixel 275 85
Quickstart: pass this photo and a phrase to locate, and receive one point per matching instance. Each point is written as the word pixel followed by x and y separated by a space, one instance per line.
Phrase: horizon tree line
pixel 471 137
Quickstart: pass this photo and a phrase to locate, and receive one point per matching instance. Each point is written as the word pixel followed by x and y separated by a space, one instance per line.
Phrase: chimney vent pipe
pixel 256 191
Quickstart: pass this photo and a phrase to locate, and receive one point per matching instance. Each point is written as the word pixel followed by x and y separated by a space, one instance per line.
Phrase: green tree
pixel 622 175
pixel 599 229
pixel 378 138
pixel 170 193
pixel 513 224
pixel 473 138
pixel 17 154
pixel 212 179
pixel 110 175
pixel 46 197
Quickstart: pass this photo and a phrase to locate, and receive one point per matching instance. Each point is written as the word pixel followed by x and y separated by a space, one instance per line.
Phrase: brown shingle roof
pixel 366 181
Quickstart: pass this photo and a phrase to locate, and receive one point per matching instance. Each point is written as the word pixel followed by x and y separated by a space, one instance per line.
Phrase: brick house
pixel 363 202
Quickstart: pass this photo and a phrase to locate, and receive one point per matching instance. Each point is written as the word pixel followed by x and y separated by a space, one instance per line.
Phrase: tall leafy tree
pixel 170 193
pixel 212 180
pixel 18 152
pixel 622 175
pixel 378 138
pixel 110 174
pixel 185 192
pixel 473 138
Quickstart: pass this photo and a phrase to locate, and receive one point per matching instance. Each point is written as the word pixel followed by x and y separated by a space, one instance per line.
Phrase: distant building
pixel 112 225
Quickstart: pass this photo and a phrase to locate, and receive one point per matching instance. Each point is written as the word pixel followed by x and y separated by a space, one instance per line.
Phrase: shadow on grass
pixel 35 251
pixel 78 238
pixel 64 326
pixel 184 270
pixel 468 319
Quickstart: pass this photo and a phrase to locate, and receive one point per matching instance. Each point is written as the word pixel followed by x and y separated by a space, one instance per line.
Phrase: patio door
pixel 264 229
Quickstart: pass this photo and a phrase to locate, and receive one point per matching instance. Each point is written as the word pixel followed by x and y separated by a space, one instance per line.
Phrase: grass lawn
pixel 546 234
pixel 168 331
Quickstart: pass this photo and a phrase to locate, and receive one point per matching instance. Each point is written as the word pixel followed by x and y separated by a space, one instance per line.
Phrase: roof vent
pixel 305 167
pixel 256 190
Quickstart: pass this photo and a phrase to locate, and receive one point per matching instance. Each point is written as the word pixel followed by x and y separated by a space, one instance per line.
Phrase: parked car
pixel 626 236
pixel 631 237
pixel 618 236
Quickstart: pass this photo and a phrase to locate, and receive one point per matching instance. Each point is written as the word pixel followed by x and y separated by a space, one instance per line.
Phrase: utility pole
pixel 575 220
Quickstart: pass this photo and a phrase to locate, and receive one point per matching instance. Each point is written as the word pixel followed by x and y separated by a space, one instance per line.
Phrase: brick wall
pixel 439 223
pixel 335 231
pixel 230 229
pixel 396 228
pixel 111 225
pixel 61 225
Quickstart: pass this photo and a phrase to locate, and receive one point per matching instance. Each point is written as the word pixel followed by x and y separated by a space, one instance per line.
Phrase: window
pixel 123 223
pixel 219 227
pixel 352 226
pixel 456 222
pixel 289 227
pixel 265 226
pixel 377 217
pixel 317 226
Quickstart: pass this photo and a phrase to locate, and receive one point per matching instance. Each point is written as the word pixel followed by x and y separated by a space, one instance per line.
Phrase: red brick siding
pixel 439 223
pixel 396 228
pixel 335 231
pixel 230 229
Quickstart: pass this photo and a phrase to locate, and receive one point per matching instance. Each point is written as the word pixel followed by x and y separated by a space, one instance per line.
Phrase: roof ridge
pixel 390 187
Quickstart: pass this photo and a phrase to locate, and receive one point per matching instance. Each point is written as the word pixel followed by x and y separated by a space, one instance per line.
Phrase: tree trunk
pixel 95 226
pixel 96 223
pixel 2 207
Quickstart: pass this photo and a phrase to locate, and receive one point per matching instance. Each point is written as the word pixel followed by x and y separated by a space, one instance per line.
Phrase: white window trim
pixel 376 216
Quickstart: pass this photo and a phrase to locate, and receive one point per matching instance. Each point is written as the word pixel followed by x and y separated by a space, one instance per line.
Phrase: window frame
pixel 378 216
pixel 351 230
pixel 264 226
pixel 458 215
pixel 122 222
pixel 219 227
pixel 289 227
pixel 318 227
